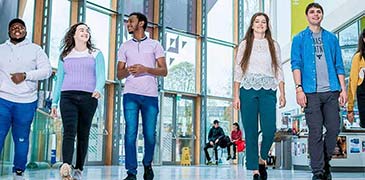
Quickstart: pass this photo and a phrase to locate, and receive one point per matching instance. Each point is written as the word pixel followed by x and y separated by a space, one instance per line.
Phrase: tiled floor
pixel 224 172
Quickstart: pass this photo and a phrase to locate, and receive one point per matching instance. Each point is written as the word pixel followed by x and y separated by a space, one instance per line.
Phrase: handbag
pixel 241 145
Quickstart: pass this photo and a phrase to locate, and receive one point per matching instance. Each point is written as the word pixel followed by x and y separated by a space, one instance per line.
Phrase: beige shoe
pixel 65 171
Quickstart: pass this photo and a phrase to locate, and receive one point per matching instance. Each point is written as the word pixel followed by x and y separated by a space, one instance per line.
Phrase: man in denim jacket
pixel 320 87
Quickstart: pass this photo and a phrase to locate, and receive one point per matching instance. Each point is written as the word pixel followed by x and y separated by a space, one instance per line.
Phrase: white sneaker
pixel 77 174
pixel 65 171
pixel 18 175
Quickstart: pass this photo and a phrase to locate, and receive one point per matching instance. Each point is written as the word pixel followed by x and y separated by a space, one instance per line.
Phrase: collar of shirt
pixel 136 40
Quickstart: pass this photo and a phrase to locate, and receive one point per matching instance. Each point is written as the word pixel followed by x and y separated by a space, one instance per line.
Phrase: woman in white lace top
pixel 257 75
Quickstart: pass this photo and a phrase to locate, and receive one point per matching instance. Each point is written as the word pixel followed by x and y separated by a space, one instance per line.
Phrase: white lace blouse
pixel 259 73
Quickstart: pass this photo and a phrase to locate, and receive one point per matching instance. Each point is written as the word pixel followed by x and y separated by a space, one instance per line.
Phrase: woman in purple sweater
pixel 80 82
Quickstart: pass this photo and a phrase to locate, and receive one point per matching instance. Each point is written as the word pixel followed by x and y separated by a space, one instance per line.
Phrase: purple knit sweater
pixel 80 74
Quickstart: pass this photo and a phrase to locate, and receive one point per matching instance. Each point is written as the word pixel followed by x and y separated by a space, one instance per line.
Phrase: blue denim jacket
pixel 303 58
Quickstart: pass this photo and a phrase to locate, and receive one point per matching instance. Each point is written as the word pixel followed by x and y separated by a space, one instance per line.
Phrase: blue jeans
pixel 132 105
pixel 19 116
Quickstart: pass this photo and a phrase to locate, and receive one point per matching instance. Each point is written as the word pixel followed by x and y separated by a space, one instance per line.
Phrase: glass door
pixel 177 123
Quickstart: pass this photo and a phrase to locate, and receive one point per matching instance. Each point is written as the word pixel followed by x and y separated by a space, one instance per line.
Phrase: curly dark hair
pixel 68 42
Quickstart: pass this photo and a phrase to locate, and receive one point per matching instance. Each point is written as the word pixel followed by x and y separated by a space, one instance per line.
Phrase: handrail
pixel 46 114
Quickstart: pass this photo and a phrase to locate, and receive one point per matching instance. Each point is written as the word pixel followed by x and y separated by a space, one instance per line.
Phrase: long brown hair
pixel 361 44
pixel 249 38
pixel 68 42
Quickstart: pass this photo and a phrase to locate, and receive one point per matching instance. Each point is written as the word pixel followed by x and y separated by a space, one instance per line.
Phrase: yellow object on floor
pixel 185 157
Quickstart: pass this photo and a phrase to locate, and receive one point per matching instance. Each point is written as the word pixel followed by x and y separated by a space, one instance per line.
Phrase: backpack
pixel 224 141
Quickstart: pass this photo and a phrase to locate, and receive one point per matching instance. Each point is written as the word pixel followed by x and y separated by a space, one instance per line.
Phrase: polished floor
pixel 224 172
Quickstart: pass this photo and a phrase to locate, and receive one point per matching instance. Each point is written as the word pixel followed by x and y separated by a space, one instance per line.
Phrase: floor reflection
pixel 224 172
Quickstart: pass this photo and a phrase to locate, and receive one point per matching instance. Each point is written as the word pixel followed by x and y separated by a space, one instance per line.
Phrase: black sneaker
pixel 256 177
pixel 318 176
pixel 131 177
pixel 148 173
pixel 262 171
pixel 327 171
pixel 234 157
pixel 18 175
pixel 229 157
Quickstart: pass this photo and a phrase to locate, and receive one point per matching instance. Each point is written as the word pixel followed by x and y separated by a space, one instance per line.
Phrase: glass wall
pixel 167 129
pixel 143 6
pixel 220 73
pixel 348 39
pixel 347 55
pixel 349 35
pixel 181 61
pixel 103 3
pixel 220 47
pixel 98 17
pixel 181 15
pixel 26 12
pixel 250 8
pixel 99 24
pixel 220 110
pixel 59 27
pixel 220 19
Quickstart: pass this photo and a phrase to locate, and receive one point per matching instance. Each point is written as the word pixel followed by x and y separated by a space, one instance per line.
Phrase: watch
pixel 298 86
pixel 25 75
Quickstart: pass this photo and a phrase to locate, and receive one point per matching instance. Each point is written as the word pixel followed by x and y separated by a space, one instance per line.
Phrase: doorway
pixel 177 127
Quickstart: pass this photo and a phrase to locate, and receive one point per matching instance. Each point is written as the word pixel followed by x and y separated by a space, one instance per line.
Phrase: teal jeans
pixel 255 103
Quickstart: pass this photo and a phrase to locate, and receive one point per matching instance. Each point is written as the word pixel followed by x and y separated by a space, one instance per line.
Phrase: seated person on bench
pixel 215 133
pixel 236 136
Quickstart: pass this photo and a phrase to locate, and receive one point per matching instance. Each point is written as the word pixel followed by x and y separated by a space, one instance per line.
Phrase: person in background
pixel 215 134
pixel 236 137
pixel 356 85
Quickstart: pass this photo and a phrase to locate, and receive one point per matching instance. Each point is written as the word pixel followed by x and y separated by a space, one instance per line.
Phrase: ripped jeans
pixel 19 117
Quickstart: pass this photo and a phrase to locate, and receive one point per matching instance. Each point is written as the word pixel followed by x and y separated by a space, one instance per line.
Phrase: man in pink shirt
pixel 140 61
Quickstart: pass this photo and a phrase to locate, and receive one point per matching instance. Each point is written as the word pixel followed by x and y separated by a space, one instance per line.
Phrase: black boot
pixel 318 176
pixel 327 171
pixel 263 172
pixel 148 173
pixel 131 177
pixel 256 177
